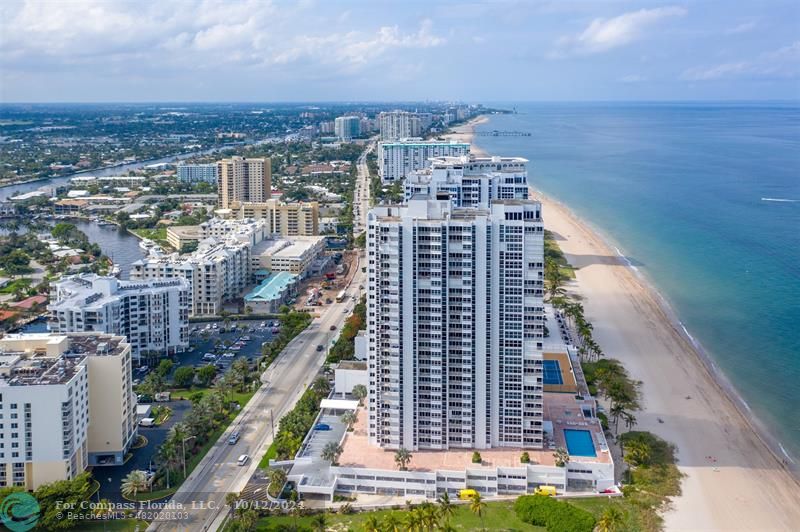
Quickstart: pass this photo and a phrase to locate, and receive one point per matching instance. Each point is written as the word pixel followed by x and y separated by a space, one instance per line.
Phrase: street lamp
pixel 183 447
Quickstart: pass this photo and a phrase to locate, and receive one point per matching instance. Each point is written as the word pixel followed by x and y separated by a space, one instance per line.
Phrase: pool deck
pixel 567 412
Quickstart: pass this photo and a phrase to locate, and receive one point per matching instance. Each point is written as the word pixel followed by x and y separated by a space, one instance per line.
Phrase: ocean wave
pixel 781 200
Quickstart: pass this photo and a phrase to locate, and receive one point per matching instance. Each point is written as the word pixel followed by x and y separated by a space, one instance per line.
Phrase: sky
pixel 411 50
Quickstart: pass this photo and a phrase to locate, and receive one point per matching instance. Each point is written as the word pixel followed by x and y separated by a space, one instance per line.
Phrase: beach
pixel 733 481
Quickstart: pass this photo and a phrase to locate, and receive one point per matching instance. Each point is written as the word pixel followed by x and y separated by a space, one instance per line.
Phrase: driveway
pixel 110 477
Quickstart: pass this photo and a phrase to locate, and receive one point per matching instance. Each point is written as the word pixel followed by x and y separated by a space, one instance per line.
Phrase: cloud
pixel 744 27
pixel 603 34
pixel 159 35
pixel 781 63
pixel 632 78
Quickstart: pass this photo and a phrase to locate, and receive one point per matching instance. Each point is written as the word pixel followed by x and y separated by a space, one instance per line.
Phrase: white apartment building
pixel 242 230
pixel 216 272
pixel 396 125
pixel 241 179
pixel 153 315
pixel 398 159
pixel 67 402
pixel 469 180
pixel 347 127
pixel 455 325
pixel 195 173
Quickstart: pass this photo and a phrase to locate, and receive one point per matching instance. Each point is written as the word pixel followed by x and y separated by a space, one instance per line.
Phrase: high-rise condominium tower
pixel 455 324
pixel 241 180
pixel 396 125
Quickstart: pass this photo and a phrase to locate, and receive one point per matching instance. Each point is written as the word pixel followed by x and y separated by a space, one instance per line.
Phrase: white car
pixel 243 460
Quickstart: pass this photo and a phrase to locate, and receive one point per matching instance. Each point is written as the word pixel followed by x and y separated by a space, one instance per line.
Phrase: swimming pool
pixel 579 442
pixel 552 372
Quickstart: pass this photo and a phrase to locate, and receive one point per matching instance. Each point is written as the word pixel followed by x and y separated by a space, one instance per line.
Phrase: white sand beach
pixel 733 481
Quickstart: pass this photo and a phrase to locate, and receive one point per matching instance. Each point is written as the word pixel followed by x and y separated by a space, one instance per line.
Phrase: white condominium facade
pixel 241 179
pixel 470 181
pixel 216 272
pixel 153 315
pixel 195 173
pixel 396 125
pixel 347 127
pixel 67 403
pixel 455 325
pixel 398 159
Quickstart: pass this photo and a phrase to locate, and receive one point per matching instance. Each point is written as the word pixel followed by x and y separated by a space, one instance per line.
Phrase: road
pixel 202 495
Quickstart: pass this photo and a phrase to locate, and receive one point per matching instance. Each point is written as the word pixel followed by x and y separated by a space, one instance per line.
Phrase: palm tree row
pixel 424 517
pixel 588 349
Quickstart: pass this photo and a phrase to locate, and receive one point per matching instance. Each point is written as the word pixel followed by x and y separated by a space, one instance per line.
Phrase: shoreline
pixel 736 476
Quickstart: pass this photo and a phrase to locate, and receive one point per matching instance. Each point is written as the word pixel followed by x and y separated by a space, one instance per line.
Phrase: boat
pixel 146 244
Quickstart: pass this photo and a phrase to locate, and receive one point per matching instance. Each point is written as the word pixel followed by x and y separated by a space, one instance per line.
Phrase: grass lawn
pixel 497 516
pixel 157 494
pixel 16 284
pixel 158 235
pixel 114 525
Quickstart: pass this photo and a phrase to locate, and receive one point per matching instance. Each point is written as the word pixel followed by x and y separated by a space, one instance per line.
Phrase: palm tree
pixel 611 520
pixel 390 522
pixel 428 515
pixel 630 420
pixel 478 507
pixel 277 478
pixel 562 457
pixel 446 508
pixel 231 498
pixel 331 452
pixel 103 507
pixel 372 524
pixel 359 392
pixel 637 452
pixel 133 483
pixel 349 418
pixel 402 457
pixel 413 520
pixel 319 523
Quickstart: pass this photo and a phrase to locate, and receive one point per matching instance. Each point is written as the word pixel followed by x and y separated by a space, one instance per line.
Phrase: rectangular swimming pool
pixel 579 442
pixel 552 372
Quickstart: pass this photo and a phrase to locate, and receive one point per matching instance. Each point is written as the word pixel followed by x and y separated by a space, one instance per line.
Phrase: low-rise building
pixel 153 315
pixel 293 255
pixel 268 296
pixel 67 403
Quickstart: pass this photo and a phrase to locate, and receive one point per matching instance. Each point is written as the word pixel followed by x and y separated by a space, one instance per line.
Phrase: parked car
pixel 322 426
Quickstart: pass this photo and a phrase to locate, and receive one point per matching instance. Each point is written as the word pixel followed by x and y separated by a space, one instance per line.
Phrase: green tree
pixel 391 522
pixel 277 478
pixel 133 483
pixel 164 368
pixel 53 497
pixel 561 456
pixel 206 374
pixel 446 508
pixel 349 418
pixel 637 452
pixel 402 457
pixel 476 458
pixel 477 506
pixel 331 452
pixel 525 458
pixel 371 524
pixel 184 376
pixel 319 523
pixel 611 520
pixel 360 392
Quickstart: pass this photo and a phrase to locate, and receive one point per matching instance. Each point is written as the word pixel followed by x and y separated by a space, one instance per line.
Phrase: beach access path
pixel 733 481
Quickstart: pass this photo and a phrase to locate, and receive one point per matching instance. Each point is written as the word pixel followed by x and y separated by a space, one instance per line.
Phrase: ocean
pixel 704 200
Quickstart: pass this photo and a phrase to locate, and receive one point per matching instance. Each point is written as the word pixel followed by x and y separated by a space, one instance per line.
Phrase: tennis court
pixel 552 372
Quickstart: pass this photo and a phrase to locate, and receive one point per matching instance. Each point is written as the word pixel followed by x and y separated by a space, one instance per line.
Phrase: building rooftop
pixel 46 358
pixel 271 287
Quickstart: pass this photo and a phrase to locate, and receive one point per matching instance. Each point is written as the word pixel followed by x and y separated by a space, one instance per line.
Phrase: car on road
pixel 333 327
pixel 320 347
pixel 209 356
pixel 233 438
pixel 243 460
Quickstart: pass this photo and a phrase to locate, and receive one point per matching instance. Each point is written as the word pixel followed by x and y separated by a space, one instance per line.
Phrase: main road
pixel 199 504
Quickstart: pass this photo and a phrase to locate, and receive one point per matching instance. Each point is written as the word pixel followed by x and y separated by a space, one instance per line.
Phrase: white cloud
pixel 604 34
pixel 632 78
pixel 781 63
pixel 744 27
pixel 193 34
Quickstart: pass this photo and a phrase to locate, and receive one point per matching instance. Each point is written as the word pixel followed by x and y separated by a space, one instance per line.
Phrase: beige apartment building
pixel 285 219
pixel 67 403
pixel 243 180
